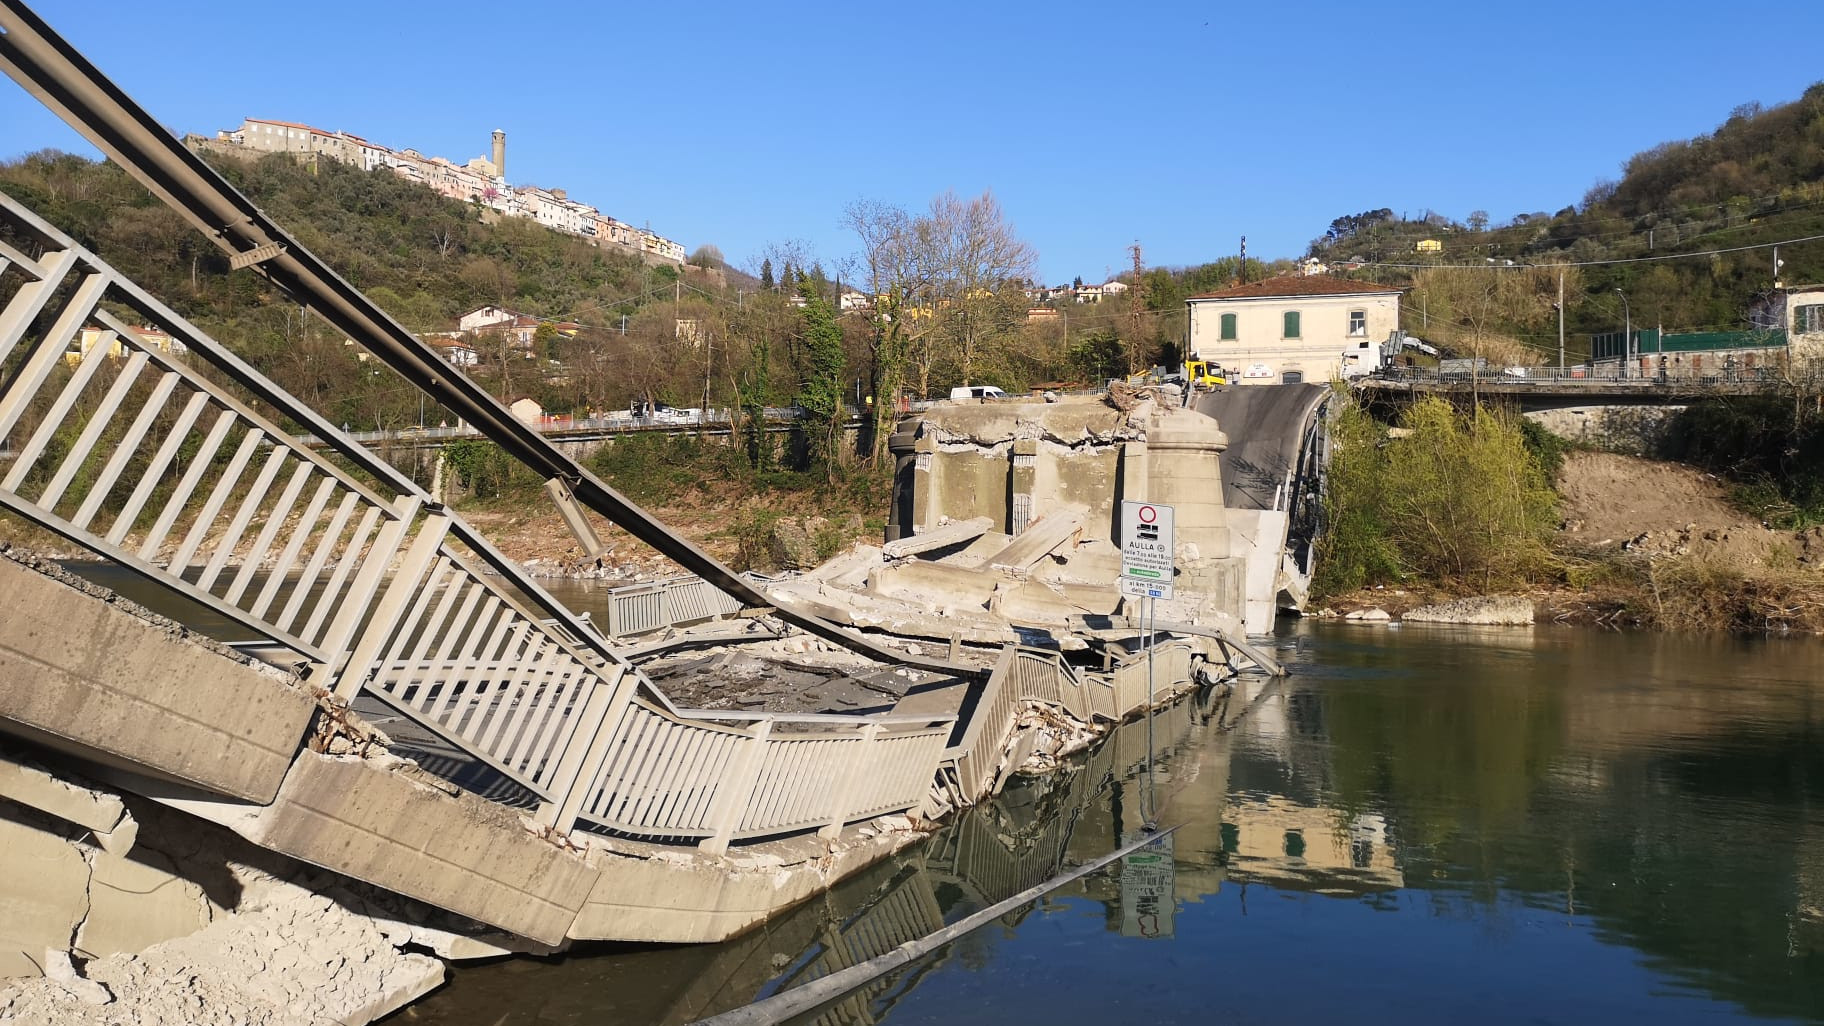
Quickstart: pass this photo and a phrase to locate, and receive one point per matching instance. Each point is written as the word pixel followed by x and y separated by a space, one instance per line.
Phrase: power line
pixel 1493 264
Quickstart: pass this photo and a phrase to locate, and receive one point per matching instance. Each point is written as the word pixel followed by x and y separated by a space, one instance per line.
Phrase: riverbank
pixel 1653 545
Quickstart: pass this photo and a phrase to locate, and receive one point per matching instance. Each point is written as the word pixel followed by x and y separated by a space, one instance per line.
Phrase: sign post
pixel 1148 563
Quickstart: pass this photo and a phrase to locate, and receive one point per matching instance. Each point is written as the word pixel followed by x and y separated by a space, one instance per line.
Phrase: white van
pixel 981 392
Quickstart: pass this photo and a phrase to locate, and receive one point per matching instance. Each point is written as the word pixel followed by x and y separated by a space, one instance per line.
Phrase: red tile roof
pixel 1292 286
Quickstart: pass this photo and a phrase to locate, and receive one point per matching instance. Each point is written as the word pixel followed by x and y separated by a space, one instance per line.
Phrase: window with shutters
pixel 1291 324
pixel 1228 327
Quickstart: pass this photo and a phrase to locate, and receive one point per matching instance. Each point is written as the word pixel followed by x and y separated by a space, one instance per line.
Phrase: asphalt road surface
pixel 1264 424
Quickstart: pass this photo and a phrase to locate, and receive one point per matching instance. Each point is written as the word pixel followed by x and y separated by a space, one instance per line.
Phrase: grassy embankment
pixel 713 493
pixel 1458 503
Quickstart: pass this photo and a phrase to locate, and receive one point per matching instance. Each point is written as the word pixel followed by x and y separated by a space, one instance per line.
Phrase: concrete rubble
pixel 1006 525
pixel 188 925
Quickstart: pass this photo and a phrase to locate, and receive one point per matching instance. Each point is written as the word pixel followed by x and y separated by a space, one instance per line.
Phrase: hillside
pixel 1756 180
pixel 422 257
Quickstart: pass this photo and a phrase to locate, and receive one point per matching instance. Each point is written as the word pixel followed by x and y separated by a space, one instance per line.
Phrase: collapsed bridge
pixel 304 584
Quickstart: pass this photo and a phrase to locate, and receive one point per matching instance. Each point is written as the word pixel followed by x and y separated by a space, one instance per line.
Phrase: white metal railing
pixel 642 608
pixel 1023 675
pixel 163 452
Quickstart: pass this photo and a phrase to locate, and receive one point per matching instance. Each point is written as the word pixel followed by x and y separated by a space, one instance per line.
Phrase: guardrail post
pixel 846 787
pixel 736 790
pixel 614 615
pixel 392 605
pixel 580 763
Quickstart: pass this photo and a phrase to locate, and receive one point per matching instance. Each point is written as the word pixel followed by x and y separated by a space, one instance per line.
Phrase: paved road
pixel 1264 424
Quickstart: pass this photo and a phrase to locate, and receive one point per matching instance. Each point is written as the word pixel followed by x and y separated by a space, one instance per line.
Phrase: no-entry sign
pixel 1147 549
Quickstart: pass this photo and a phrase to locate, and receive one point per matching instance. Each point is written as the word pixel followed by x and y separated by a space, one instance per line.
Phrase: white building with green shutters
pixel 1290 329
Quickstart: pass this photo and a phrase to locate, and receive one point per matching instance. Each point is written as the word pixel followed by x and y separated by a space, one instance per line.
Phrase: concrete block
pixel 1056 528
pixel 102 814
pixel 457 852
pixel 42 898
pixel 934 585
pixel 939 537
pixel 683 899
pixel 86 676
pixel 137 902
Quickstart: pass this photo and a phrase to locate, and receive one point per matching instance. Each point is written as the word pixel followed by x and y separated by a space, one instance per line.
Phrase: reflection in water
pixel 1418 825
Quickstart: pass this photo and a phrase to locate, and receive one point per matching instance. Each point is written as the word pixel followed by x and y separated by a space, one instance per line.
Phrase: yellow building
pixel 89 338
pixel 1428 246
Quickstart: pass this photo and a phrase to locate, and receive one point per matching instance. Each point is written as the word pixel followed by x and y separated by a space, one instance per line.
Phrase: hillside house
pixel 1799 312
pixel 1289 329
pixel 484 317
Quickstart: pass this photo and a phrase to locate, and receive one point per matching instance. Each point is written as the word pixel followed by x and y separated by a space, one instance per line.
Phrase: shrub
pixel 1459 498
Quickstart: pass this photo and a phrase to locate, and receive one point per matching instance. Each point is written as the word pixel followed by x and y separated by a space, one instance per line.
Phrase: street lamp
pixel 1627 331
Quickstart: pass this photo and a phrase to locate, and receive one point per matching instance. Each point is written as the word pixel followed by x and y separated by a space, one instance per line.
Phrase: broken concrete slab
pixel 849 569
pixel 43 916
pixel 93 678
pixel 937 587
pixel 102 814
pixel 1039 540
pixel 137 902
pixel 955 533
pixel 402 830
pixel 1051 606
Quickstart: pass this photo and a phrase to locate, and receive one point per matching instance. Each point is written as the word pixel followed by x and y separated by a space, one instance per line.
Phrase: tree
pixel 766 274
pixel 820 388
pixel 1478 220
pixel 707 255
pixel 544 340
pixel 948 285
pixel 977 261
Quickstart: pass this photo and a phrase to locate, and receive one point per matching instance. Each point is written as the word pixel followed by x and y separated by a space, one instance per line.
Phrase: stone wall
pixel 1634 430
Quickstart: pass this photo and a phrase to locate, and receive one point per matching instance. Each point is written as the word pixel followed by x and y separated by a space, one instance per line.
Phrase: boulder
pixel 1493 610
pixel 793 545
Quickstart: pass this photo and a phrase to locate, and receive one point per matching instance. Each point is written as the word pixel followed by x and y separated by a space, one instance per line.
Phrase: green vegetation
pixel 1458 499
pixel 1772 450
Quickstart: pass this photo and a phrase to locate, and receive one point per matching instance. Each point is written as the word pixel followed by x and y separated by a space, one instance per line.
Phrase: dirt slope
pixel 1612 501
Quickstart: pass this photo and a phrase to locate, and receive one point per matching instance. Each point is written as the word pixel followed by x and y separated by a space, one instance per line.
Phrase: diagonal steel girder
pixel 60 77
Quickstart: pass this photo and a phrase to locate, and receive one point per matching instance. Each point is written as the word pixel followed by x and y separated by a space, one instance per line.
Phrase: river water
pixel 1419 825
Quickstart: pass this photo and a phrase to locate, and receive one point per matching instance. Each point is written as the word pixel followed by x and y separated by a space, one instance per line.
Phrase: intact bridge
pixel 1548 388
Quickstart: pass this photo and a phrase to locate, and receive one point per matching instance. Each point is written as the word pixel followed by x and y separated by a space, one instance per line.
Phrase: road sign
pixel 1147 553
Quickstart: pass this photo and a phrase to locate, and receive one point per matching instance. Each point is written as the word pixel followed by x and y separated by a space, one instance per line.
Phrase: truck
pixel 1204 374
pixel 1363 358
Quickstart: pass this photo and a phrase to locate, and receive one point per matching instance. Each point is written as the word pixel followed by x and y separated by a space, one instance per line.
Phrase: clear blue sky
pixel 1180 125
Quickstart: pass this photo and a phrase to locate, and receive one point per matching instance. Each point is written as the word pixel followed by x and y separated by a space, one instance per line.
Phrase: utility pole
pixel 1627 333
pixel 1561 322
pixel 1136 306
pixel 1241 273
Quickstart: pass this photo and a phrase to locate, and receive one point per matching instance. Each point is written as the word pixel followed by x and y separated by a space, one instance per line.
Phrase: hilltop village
pixel 481 181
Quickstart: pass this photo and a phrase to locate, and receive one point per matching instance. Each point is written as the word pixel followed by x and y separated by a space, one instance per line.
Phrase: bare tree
pixel 978 259
pixel 947 285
